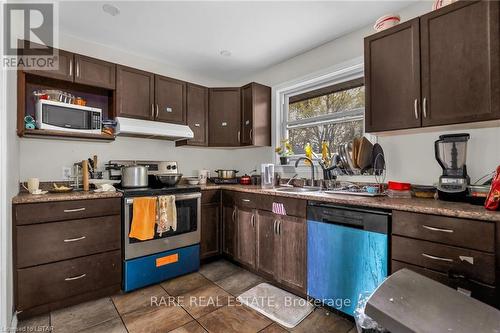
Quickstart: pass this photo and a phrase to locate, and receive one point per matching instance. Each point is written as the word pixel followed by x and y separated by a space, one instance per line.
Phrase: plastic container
pixel 397 186
pixel 426 192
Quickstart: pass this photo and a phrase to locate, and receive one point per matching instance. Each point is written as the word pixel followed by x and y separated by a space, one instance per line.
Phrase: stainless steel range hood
pixel 153 129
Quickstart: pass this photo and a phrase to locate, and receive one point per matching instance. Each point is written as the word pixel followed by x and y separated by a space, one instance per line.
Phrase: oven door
pixel 187 232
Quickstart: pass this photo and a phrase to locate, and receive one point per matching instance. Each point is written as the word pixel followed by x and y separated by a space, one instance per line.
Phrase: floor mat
pixel 277 304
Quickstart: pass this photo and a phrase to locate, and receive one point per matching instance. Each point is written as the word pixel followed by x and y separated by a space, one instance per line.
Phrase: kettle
pixel 245 180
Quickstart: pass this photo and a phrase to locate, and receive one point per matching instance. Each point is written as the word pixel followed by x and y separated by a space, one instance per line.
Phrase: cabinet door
pixel 94 72
pixel 224 117
pixel 266 254
pixel 210 214
pixel 65 65
pixel 292 256
pixel 392 78
pixel 229 230
pixel 170 100
pixel 256 115
pixel 134 93
pixel 461 63
pixel 197 109
pixel 246 237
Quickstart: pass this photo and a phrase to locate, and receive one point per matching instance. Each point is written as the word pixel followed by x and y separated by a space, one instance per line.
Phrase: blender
pixel 451 153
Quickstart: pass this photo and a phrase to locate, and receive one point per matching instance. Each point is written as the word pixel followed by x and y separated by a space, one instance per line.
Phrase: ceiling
pixel 191 35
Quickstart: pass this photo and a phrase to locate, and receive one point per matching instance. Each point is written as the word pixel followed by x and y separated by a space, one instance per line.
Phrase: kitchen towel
pixel 144 219
pixel 279 208
pixel 167 214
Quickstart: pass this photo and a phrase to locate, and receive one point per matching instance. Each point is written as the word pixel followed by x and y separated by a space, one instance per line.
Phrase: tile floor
pixel 196 303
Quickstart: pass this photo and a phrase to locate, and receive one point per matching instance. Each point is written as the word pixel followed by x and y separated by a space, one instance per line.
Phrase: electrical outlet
pixel 66 173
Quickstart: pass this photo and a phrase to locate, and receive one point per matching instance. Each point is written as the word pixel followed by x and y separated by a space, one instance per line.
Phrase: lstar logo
pixel 29 36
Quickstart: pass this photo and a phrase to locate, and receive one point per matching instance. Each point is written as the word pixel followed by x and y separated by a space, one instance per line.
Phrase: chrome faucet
pixel 312 167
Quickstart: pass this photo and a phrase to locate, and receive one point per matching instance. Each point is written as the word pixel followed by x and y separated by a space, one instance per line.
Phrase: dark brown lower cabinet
pixel 266 243
pixel 228 230
pixel 246 227
pixel 292 252
pixel 210 230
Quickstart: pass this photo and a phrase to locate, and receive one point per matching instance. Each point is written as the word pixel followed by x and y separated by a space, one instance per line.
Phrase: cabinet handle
pixel 436 258
pixel 253 220
pixel 274 226
pixel 424 107
pixel 239 136
pixel 69 240
pixel 234 215
pixel 74 210
pixel 251 134
pixel 279 227
pixel 75 277
pixel 77 69
pixel 70 67
pixel 437 229
pixel 152 111
pixel 245 200
pixel 197 125
pixel 415 106
pixel 157 111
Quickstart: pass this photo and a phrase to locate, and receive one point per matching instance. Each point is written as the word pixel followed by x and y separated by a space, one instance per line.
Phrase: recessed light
pixel 225 53
pixel 110 9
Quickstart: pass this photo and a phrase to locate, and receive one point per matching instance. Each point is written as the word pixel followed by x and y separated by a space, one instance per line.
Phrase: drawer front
pixel 52 282
pixel 293 207
pixel 210 196
pixel 483 292
pixel 444 258
pixel 48 242
pixel 65 210
pixel 472 234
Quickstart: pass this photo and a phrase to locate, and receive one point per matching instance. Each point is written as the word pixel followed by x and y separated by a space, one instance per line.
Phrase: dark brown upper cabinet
pixel 135 93
pixel 392 78
pixel 197 113
pixel 439 69
pixel 461 63
pixel 256 115
pixel 94 72
pixel 65 59
pixel 224 117
pixel 170 100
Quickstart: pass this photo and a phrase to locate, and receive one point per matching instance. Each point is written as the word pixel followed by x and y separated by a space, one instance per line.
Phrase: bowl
pixel 386 22
pixel 169 179
pixel 193 180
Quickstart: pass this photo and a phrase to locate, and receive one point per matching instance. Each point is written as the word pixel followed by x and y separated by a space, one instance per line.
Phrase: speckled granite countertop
pixel 416 205
pixel 24 198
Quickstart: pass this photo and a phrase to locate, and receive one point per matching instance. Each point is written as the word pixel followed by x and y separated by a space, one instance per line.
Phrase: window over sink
pixel 332 113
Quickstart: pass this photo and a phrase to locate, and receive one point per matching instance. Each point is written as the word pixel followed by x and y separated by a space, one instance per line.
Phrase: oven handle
pixel 178 197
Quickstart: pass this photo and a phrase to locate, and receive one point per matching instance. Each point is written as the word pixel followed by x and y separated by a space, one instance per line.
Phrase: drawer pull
pixel 75 277
pixel 437 229
pixel 74 210
pixel 74 239
pixel 468 259
pixel 437 258
pixel 245 200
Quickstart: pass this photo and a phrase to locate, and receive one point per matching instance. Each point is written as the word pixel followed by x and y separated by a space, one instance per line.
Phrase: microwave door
pixel 65 117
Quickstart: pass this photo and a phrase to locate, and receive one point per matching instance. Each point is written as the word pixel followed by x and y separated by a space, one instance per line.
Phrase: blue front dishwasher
pixel 347 253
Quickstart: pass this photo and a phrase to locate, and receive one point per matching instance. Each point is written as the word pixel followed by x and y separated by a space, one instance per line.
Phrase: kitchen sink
pixel 298 189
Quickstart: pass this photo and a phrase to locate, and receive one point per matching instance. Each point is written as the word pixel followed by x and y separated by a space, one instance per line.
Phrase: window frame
pixel 338 76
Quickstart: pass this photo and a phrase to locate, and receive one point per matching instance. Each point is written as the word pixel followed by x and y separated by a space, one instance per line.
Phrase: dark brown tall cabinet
pixel 256 115
pixel 439 69
pixel 224 117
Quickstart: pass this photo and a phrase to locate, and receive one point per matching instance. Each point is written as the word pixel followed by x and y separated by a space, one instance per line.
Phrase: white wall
pixel 409 157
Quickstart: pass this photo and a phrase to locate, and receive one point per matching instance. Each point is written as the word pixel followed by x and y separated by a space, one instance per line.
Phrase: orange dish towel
pixel 143 222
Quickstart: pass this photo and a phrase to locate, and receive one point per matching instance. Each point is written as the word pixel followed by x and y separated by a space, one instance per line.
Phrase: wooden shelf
pixel 36 133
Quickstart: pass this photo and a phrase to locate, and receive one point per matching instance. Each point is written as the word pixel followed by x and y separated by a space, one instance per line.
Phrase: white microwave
pixel 52 115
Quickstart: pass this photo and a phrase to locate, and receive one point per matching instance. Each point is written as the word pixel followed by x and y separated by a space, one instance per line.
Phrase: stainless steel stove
pixel 170 253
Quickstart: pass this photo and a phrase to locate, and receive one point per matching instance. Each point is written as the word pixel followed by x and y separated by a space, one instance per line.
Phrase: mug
pixel 204 174
pixel 33 185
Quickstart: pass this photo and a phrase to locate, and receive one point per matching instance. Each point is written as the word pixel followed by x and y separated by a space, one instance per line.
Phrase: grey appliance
pixel 347 253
